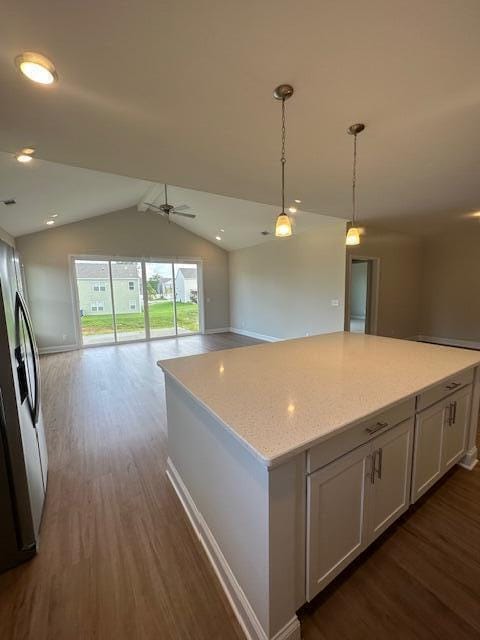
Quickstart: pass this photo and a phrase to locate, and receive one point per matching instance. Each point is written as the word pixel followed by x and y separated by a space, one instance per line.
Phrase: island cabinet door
pixel 335 517
pixel 427 452
pixel 455 427
pixel 389 490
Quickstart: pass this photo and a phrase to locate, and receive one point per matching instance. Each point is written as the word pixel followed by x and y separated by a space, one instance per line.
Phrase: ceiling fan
pixel 169 209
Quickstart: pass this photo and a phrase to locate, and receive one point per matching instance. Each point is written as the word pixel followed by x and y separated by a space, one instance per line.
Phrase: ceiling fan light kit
pixel 169 209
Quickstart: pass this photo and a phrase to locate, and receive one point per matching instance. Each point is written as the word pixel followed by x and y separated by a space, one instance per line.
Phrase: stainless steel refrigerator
pixel 23 452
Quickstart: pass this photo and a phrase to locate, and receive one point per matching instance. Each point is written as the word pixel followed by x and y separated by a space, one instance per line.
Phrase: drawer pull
pixel 453 385
pixel 376 427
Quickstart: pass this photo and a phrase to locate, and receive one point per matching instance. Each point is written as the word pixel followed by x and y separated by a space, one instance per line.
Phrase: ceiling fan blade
pixel 184 215
pixel 154 206
pixel 182 207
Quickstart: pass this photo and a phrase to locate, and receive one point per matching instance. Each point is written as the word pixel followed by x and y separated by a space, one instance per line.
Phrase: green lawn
pixel 161 317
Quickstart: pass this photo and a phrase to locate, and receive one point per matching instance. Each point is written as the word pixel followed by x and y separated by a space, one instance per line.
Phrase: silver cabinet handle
pixel 454 416
pixel 376 427
pixel 449 420
pixel 373 457
pixel 453 385
pixel 380 463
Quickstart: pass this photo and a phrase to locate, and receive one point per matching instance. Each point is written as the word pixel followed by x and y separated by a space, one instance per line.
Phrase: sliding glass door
pixel 186 297
pixel 95 301
pixel 160 294
pixel 124 300
pixel 127 288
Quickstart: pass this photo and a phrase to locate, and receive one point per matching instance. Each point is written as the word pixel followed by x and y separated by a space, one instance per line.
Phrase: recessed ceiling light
pixel 50 222
pixel 54 215
pixel 222 230
pixel 476 214
pixel 36 67
pixel 217 238
pixel 24 158
pixel 298 201
pixel 292 209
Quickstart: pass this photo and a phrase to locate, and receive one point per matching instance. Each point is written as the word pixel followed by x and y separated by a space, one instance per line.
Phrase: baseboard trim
pixel 257 336
pixel 449 342
pixel 43 351
pixel 222 330
pixel 241 607
pixel 470 459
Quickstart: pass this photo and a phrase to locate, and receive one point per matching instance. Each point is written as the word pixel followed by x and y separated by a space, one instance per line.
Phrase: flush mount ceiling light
pixel 353 234
pixel 283 226
pixel 49 222
pixel 217 238
pixel 297 201
pixel 25 155
pixel 36 68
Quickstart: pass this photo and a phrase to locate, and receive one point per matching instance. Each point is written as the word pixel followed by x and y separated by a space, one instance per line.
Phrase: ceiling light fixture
pixel 353 235
pixel 25 155
pixel 298 201
pixel 217 238
pixel 292 209
pixel 50 222
pixel 283 226
pixel 54 215
pixel 36 68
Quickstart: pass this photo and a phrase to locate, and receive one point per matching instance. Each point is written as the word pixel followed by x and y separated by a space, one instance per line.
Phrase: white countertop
pixel 283 397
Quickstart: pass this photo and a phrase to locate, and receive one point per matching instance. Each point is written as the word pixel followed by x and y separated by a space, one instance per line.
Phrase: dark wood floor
pixel 119 558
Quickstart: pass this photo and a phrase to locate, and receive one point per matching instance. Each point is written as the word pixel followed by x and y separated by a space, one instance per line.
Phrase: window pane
pixel 94 296
pixel 128 300
pixel 160 299
pixel 186 292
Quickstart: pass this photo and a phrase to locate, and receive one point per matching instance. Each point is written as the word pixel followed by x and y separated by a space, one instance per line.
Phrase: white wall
pixel 126 233
pixel 284 288
pixel 400 265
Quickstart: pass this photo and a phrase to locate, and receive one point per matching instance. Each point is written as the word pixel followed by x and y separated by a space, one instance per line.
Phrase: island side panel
pixel 471 457
pixel 287 543
pixel 229 488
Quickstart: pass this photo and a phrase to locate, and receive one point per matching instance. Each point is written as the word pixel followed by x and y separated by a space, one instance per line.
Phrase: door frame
pixel 143 259
pixel 372 291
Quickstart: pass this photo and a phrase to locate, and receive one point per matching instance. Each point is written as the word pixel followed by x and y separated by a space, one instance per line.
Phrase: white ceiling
pixel 43 188
pixel 182 92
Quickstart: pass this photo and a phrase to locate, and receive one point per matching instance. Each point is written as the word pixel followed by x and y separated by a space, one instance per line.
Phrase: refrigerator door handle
pixel 21 314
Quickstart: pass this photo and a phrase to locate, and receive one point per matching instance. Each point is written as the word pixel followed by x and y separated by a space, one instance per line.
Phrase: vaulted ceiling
pixel 181 92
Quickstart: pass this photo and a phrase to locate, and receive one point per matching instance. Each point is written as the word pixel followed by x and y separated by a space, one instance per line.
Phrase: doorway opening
pixel 122 300
pixel 362 295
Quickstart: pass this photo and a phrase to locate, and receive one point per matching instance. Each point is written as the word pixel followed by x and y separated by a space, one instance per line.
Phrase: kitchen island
pixel 290 458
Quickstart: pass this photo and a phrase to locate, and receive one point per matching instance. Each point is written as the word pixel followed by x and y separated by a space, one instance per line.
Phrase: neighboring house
pixel 186 286
pixel 164 287
pixel 94 291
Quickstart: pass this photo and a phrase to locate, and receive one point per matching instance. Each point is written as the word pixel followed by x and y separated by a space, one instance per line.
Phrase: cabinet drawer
pixel 338 445
pixel 445 388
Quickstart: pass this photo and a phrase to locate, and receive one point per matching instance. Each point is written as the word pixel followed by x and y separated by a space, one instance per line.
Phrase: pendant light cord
pixel 283 159
pixel 354 179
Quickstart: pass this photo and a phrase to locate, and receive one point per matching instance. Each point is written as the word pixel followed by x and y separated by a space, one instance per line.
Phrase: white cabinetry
pixel 440 439
pixel 352 500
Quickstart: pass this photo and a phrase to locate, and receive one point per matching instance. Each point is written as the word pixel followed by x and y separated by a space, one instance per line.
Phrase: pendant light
pixel 353 235
pixel 283 226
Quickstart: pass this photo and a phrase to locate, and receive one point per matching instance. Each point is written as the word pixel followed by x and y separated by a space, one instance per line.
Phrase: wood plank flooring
pixel 119 558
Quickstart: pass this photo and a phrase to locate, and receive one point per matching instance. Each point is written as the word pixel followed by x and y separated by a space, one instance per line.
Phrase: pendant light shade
pixel 353 237
pixel 283 226
pixel 353 234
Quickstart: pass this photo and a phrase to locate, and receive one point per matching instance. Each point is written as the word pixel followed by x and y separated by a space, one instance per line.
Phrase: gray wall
pixel 126 233
pixel 358 289
pixel 284 288
pixel 399 294
pixel 451 284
